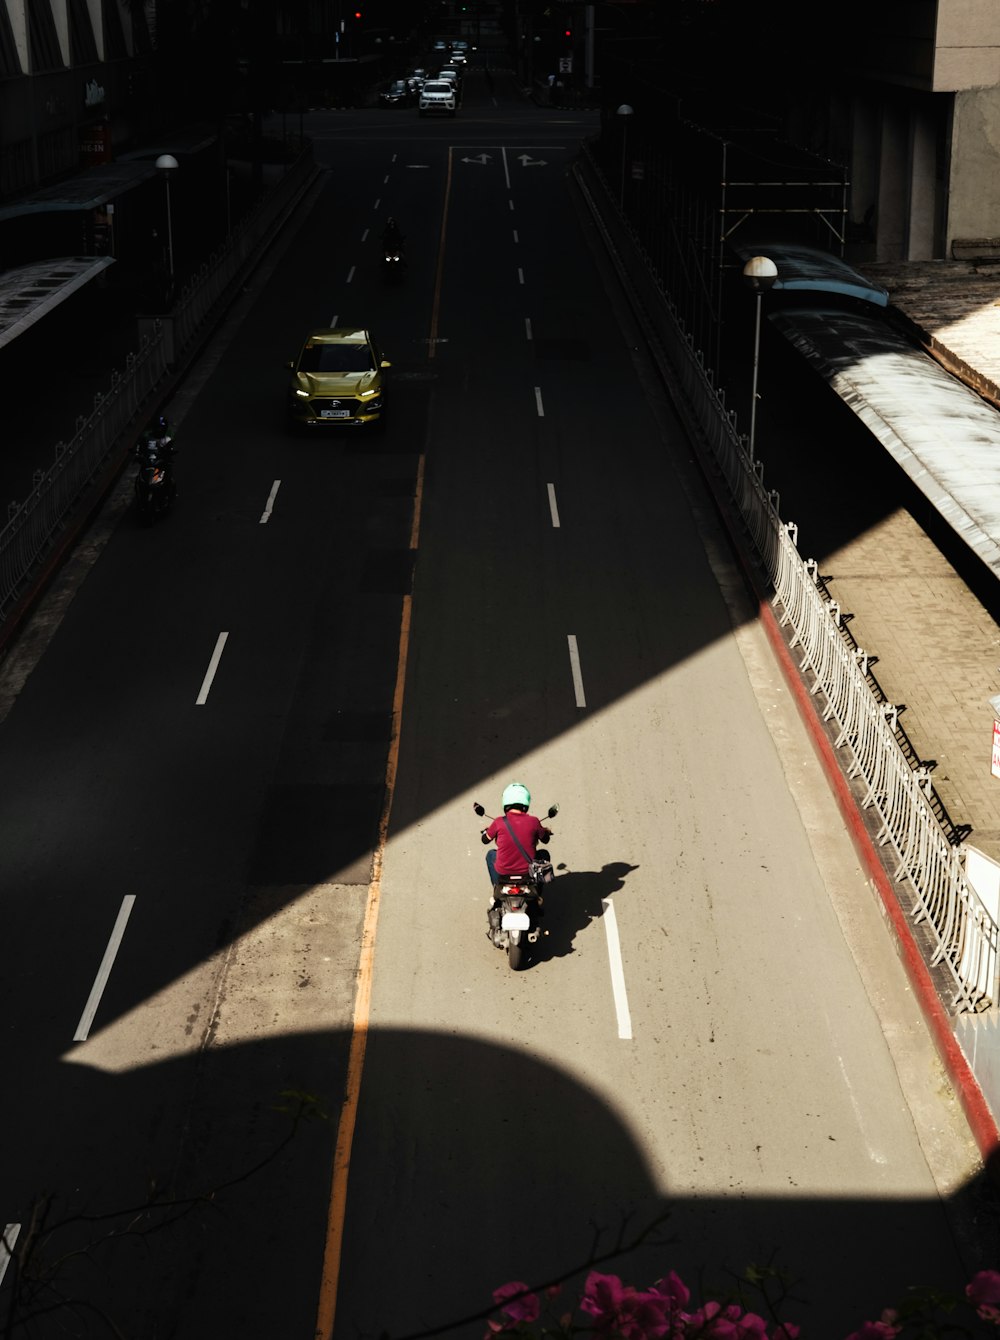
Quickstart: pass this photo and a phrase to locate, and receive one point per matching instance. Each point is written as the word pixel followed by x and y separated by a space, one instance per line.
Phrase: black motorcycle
pixel 155 489
pixel 518 906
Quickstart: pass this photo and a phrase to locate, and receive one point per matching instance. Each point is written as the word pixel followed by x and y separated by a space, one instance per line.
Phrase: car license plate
pixel 335 414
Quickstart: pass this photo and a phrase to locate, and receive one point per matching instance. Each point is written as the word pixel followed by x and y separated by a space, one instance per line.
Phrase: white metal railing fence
pixel 964 935
pixel 34 527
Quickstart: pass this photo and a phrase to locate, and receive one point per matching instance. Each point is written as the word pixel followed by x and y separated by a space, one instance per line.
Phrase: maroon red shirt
pixel 529 832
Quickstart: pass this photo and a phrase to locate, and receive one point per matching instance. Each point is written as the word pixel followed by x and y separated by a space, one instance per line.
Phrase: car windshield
pixel 336 358
pixel 442 87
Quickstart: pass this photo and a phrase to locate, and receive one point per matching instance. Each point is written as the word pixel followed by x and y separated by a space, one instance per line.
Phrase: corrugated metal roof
pixel 942 434
pixel 28 292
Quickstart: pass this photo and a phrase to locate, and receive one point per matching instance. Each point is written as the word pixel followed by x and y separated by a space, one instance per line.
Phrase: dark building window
pixel 9 63
pixel 140 31
pixel 43 44
pixel 114 36
pixel 82 46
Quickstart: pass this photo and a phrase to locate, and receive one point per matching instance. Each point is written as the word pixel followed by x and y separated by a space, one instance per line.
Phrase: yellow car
pixel 337 379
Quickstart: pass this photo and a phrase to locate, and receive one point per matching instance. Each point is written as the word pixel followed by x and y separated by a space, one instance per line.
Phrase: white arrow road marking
pixel 213 665
pixel 265 516
pixel 552 505
pixel 617 969
pixel 574 665
pixel 104 971
pixel 7 1242
pixel 527 161
pixel 481 159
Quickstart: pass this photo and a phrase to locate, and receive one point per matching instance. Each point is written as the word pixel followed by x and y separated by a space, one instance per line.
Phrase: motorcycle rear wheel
pixel 517 950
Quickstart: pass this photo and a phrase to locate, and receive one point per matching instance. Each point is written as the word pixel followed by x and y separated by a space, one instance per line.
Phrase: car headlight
pixel 303 394
pixel 367 395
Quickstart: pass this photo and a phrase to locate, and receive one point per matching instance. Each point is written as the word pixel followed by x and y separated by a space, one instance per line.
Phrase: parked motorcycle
pixel 517 905
pixel 155 488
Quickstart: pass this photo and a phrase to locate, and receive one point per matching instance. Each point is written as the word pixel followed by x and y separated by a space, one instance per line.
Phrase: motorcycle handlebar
pixel 551 813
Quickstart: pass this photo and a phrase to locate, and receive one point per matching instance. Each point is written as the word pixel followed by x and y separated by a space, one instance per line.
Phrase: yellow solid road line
pixel 337 1211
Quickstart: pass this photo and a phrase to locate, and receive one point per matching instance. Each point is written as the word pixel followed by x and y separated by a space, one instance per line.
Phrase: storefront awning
pixel 28 292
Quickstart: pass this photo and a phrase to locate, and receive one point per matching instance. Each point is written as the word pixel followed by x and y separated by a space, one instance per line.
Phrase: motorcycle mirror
pixel 553 811
pixel 478 808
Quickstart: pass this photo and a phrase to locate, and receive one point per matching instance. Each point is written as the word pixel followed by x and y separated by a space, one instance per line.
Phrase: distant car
pixel 398 94
pixel 438 95
pixel 456 58
pixel 337 380
pixel 440 45
pixel 451 73
pixel 415 78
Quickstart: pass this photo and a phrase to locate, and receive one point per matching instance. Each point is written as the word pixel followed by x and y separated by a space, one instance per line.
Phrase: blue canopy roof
pixel 808 268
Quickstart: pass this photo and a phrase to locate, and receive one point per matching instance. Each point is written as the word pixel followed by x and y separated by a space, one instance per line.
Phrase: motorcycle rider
pixel 392 238
pixel 155 450
pixel 157 435
pixel 506 858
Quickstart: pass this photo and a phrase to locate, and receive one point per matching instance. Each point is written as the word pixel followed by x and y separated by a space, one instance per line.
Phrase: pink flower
pixel 602 1297
pixel 526 1308
pixel 983 1291
pixel 885 1329
pixel 631 1314
pixel 674 1291
pixel 714 1320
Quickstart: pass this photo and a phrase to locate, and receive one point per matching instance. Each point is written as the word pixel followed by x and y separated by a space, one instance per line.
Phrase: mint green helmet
pixel 516 794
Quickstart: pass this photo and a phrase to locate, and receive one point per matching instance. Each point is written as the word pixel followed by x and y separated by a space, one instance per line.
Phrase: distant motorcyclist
pixel 392 237
pixel 157 436
pixel 516 826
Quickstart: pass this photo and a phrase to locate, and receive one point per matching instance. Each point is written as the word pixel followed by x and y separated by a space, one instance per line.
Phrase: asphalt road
pixel 703 1031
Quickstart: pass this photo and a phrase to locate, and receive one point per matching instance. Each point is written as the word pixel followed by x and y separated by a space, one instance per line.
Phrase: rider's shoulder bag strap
pixel 516 840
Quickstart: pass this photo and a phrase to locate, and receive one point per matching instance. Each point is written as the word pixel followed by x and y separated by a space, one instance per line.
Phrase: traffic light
pixel 568 32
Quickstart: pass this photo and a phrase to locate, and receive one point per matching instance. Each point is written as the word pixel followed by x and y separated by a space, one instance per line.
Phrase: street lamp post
pixel 760 272
pixel 167 163
pixel 624 111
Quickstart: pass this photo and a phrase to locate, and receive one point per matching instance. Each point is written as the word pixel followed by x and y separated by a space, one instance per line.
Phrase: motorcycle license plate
pixel 335 414
pixel 516 921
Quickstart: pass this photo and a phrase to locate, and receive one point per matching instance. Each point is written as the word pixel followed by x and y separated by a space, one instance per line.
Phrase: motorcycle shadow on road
pixel 572 902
